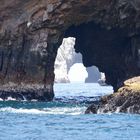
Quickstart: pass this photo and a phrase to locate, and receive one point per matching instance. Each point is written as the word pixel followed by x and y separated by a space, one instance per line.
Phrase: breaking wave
pixel 56 110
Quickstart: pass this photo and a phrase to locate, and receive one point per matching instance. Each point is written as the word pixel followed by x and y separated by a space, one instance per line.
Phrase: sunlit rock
pixel 125 100
pixel 64 60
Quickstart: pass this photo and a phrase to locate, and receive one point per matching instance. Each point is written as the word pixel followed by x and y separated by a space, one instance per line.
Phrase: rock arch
pixel 106 37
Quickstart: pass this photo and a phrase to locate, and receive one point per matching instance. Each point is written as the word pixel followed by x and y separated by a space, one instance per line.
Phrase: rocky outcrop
pixel 32 31
pixel 31 92
pixel 126 100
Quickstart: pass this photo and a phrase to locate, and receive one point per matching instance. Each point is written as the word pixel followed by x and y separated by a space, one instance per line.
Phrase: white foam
pixel 118 110
pixel 34 100
pixel 65 110
pixel 11 99
pixel 100 111
pixel 21 110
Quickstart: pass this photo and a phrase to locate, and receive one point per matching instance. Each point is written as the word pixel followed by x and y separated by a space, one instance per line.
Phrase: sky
pixel 77 73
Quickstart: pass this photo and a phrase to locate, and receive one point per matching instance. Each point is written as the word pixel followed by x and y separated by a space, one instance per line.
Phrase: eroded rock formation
pixel 107 35
pixel 126 100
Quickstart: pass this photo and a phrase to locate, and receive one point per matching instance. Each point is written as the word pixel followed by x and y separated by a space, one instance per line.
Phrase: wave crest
pixel 56 110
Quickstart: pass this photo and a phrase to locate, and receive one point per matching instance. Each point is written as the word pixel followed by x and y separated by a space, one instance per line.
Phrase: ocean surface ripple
pixel 64 118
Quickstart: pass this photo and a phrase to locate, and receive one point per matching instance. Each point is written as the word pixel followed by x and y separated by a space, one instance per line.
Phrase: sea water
pixel 64 118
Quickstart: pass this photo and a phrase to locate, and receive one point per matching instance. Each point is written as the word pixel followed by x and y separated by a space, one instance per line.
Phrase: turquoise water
pixel 64 118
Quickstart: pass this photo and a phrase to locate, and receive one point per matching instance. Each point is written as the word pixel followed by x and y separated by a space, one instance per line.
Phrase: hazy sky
pixel 77 73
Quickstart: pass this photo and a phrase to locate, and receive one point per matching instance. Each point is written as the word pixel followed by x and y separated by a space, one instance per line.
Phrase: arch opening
pixel 69 67
pixel 109 49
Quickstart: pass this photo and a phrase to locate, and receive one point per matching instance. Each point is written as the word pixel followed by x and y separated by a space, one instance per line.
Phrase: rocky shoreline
pixel 26 92
pixel 125 100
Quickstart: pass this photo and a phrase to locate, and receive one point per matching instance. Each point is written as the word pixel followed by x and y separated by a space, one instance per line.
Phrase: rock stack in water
pixel 125 100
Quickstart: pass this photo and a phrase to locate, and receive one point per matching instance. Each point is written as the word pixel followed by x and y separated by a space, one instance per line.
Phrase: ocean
pixel 64 118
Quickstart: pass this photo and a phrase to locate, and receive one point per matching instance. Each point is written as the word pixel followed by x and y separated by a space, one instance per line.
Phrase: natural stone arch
pixel 37 42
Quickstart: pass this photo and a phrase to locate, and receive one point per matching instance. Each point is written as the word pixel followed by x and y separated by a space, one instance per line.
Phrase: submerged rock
pixel 125 100
pixel 92 109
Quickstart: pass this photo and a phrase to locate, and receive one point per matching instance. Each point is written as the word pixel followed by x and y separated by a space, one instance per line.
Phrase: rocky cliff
pixel 107 35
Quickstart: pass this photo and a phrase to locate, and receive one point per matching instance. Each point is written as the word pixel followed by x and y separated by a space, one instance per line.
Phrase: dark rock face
pixel 107 33
pixel 109 50
pixel 24 61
